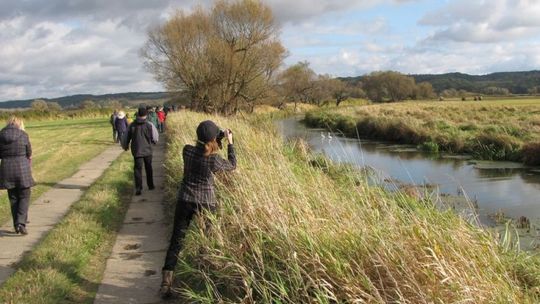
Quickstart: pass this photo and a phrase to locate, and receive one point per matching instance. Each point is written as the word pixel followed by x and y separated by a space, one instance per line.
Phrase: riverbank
pixel 488 130
pixel 296 228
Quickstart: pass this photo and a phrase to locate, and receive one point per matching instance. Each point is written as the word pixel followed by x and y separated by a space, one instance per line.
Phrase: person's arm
pixel 125 143
pixel 229 164
pixel 28 147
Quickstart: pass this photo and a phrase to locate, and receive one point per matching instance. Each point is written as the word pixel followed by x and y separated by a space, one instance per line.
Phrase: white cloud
pixel 483 21
pixel 56 47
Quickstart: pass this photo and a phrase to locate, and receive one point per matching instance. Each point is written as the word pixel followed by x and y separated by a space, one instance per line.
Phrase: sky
pixel 56 48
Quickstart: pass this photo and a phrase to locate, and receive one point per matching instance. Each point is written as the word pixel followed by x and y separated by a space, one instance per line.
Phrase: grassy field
pixel 67 266
pixel 506 129
pixel 294 228
pixel 59 148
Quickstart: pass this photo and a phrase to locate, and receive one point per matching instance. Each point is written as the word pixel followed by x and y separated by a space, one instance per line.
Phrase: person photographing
pixel 196 192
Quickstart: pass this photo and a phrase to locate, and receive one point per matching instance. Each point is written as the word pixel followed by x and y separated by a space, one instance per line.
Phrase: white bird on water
pixel 322 135
pixel 329 135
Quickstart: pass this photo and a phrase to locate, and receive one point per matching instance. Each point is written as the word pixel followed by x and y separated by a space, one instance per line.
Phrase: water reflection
pixel 515 192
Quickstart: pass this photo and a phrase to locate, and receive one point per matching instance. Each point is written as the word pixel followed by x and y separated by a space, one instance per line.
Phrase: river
pixel 502 188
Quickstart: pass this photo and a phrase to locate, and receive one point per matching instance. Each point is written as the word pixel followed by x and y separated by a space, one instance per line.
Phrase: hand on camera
pixel 228 134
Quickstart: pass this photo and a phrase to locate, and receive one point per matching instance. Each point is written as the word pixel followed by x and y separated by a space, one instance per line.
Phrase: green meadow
pixel 59 148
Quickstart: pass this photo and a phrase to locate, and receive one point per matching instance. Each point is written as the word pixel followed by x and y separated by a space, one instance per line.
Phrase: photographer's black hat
pixel 206 131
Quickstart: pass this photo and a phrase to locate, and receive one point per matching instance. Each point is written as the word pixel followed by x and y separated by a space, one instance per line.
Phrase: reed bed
pixel 294 229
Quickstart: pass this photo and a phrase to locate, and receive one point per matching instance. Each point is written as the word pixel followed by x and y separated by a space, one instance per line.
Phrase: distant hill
pixel 75 100
pixel 515 82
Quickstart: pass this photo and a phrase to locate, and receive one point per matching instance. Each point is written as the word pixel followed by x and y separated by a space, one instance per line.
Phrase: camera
pixel 221 134
pixel 219 137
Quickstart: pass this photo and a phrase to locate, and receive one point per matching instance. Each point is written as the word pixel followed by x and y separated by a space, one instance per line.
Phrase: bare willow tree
pixel 224 58
pixel 297 82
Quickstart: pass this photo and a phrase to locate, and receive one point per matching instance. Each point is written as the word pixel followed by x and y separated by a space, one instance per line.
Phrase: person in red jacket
pixel 161 119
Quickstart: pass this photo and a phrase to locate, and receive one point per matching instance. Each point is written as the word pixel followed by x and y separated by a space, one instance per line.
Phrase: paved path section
pixel 133 272
pixel 48 210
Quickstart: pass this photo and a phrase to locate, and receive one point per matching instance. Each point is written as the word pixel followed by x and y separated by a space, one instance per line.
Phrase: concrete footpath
pixel 133 272
pixel 48 210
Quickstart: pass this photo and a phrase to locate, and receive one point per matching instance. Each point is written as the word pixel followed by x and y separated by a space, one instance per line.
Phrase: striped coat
pixel 15 153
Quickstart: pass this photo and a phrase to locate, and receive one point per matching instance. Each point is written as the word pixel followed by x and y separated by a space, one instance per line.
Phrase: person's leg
pixel 182 218
pixel 120 137
pixel 114 135
pixel 138 173
pixel 149 172
pixel 24 203
pixel 14 203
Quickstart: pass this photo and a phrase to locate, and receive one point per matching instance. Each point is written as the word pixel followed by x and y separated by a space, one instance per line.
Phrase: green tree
pixel 423 90
pixel 388 86
pixel 54 106
pixel 296 82
pixel 39 105
pixel 339 90
pixel 88 104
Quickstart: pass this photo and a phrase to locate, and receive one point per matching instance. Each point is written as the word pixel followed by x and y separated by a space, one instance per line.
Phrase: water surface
pixel 509 188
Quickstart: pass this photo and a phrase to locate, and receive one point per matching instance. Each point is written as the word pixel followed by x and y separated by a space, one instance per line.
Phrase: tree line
pixel 229 58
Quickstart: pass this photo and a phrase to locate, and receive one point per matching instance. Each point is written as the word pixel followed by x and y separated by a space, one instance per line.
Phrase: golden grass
pixel 492 129
pixel 289 231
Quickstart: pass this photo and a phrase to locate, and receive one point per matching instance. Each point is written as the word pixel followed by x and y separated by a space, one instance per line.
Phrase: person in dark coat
pixel 112 120
pixel 142 135
pixel 196 192
pixel 121 125
pixel 15 170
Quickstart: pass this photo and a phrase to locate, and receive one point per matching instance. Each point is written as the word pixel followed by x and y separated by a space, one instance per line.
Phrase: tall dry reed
pixel 291 232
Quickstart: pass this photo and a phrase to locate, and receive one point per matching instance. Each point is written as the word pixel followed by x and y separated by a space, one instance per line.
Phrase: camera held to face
pixel 222 134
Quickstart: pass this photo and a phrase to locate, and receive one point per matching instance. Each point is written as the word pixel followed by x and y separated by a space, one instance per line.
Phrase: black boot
pixel 166 284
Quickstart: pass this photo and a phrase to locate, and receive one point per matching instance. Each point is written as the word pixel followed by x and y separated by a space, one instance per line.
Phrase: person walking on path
pixel 196 192
pixel 16 171
pixel 161 115
pixel 142 135
pixel 121 125
pixel 112 120
pixel 152 117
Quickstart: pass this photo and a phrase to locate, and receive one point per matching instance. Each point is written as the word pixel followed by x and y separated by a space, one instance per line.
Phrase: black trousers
pixel 147 161
pixel 182 218
pixel 19 199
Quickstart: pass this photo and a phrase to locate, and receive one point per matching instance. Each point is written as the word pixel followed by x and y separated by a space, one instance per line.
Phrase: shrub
pixel 496 147
pixel 531 153
pixel 429 146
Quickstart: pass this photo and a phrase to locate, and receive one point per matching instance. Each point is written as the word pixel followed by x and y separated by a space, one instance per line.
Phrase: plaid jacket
pixel 198 183
pixel 15 152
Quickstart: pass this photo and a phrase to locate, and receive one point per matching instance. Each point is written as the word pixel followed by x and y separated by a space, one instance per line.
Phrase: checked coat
pixel 198 182
pixel 15 153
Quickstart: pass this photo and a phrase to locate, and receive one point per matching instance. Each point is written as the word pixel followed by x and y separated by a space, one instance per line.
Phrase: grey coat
pixel 15 153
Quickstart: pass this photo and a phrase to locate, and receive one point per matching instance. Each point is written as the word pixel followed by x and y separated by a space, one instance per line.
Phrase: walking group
pixel 196 190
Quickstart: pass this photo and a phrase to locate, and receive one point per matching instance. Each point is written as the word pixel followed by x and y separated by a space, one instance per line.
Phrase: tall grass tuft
pixel 293 228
